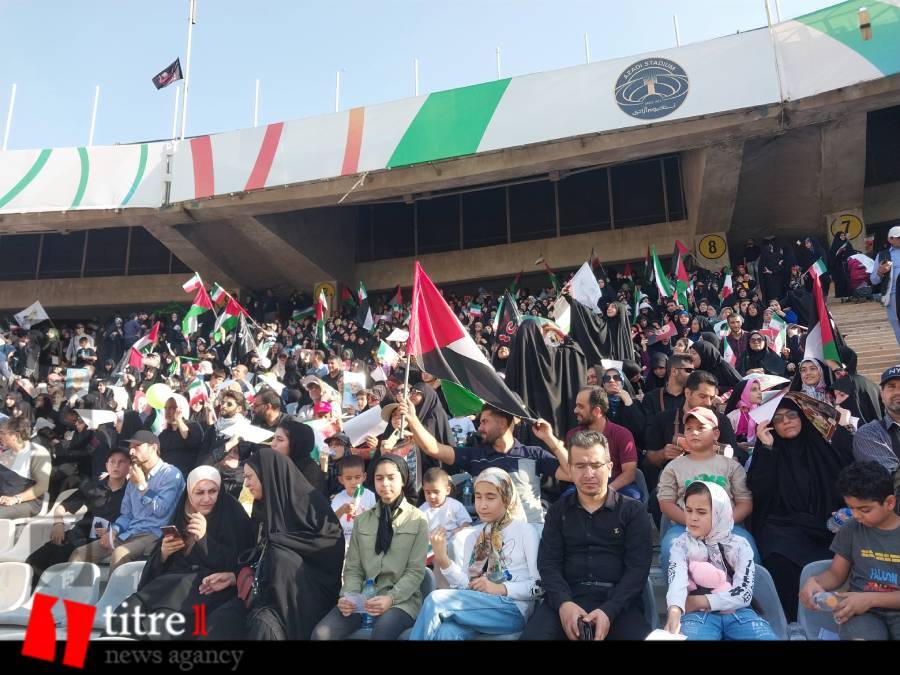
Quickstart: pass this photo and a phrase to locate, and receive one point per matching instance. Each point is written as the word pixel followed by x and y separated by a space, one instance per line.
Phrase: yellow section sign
pixel 712 247
pixel 329 289
pixel 846 222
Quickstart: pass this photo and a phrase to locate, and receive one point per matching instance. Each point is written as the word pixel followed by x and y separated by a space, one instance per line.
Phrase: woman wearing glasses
pixel 623 409
pixel 793 477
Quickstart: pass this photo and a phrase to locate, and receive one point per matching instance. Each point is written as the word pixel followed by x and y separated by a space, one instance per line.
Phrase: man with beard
pixel 879 440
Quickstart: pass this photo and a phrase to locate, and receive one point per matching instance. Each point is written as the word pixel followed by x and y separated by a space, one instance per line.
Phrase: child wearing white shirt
pixel 347 504
pixel 439 507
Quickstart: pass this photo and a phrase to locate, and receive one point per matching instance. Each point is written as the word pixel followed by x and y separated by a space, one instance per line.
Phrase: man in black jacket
pixel 594 556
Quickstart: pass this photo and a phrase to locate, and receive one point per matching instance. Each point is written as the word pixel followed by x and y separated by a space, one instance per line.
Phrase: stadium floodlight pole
pixel 775 55
pixel 9 114
pixel 677 35
pixel 587 49
pixel 192 19
pixel 416 75
pixel 175 114
pixel 256 106
pixel 94 116
pixel 498 63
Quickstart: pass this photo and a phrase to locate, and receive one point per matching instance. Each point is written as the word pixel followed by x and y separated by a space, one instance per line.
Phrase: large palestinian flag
pixel 443 348
pixel 820 342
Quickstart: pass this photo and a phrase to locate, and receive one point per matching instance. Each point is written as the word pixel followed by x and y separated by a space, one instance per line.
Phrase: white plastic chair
pixel 766 597
pixel 76 581
pixel 122 583
pixel 15 585
pixel 814 622
pixel 35 534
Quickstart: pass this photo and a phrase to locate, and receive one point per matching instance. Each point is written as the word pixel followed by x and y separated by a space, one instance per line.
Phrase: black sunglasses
pixel 611 378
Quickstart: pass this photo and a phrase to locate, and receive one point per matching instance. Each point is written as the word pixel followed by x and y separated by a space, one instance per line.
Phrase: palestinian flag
pixel 682 281
pixel 818 268
pixel 149 341
pixel 397 301
pixel 300 314
pixel 506 321
pixel 461 402
pixel 443 348
pixel 321 309
pixel 218 294
pixel 727 287
pixel 662 282
pixel 820 343
pixel 678 256
pixel 386 355
pixel 514 286
pixel 554 280
pixel 636 307
pixel 202 304
pixel 227 321
pixel 627 271
pixel 347 297
pixel 192 284
pixel 364 313
pixel 135 359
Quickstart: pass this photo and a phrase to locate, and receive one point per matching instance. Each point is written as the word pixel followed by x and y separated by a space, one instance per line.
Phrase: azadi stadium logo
pixel 651 88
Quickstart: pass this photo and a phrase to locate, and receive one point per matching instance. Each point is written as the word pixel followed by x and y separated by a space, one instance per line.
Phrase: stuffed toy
pixel 707 576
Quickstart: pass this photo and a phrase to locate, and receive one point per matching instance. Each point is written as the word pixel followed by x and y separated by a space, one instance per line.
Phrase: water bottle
pixel 467 494
pixel 368 593
pixel 839 519
pixel 825 601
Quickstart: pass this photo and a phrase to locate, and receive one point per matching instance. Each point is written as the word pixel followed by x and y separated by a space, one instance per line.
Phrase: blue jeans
pixel 450 614
pixel 675 531
pixel 744 624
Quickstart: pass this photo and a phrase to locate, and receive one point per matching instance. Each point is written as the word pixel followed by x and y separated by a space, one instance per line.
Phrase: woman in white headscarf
pixel 492 587
pixel 196 566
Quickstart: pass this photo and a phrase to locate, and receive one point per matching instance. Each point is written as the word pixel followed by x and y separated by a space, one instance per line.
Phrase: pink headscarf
pixel 745 425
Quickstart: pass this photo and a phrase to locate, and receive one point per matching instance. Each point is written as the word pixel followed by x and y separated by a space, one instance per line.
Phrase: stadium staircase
pixel 866 330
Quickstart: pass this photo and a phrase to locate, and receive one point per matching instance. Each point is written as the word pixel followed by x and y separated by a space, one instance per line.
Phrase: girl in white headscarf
pixel 720 568
pixel 493 585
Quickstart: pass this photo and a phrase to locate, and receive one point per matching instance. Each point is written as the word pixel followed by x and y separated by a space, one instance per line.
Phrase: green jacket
pixel 400 571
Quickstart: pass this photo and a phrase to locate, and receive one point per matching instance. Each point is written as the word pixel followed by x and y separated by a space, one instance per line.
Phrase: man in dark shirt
pixel 103 499
pixel 267 410
pixel 181 441
pixel 525 464
pixel 595 554
pixel 671 396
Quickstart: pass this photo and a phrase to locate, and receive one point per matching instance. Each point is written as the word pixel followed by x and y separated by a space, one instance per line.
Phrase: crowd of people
pixel 224 462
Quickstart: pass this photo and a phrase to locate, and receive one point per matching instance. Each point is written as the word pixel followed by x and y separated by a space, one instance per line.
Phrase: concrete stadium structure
pixel 789 130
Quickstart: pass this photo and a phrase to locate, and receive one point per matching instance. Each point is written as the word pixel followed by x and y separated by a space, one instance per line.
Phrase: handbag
pixel 248 577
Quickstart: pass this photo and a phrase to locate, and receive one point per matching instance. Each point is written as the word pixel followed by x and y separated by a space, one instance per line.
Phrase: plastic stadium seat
pixel 122 583
pixel 766 598
pixel 7 534
pixel 15 585
pixel 426 588
pixel 811 621
pixel 641 482
pixel 35 534
pixel 648 602
pixel 45 510
pixel 76 581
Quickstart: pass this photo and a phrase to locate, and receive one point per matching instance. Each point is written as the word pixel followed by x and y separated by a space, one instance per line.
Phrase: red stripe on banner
pixel 432 323
pixel 260 173
pixel 354 141
pixel 201 151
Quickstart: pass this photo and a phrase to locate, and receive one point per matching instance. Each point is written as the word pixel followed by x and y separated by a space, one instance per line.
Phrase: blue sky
pixel 58 50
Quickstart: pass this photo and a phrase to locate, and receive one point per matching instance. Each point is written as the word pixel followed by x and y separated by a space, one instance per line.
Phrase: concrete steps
pixel 866 329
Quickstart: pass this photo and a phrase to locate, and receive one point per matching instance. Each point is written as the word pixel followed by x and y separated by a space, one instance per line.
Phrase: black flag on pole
pixel 169 75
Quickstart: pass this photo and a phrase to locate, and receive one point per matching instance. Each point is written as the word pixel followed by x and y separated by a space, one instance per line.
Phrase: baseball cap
pixel 891 373
pixel 706 417
pixel 144 436
pixel 321 407
pixel 894 231
pixel 340 437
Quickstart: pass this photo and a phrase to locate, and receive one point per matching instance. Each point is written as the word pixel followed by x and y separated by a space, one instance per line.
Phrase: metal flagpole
pixel 94 116
pixel 587 49
pixel 405 396
pixel 175 114
pixel 192 18
pixel 256 106
pixel 498 63
pixel 677 35
pixel 12 104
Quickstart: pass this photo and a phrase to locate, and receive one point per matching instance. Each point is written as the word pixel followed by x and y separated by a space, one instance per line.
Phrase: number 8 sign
pixel 712 247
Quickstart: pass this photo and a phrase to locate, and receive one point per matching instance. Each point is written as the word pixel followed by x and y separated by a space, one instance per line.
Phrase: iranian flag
pixel 386 355
pixel 820 343
pixel 662 282
pixel 779 325
pixel 727 287
pixel 397 300
pixel 321 309
pixel 443 348
pixel 364 313
pixel 197 391
pixel 218 294
pixel 818 268
pixel 148 341
pixel 227 321
pixel 192 284
pixel 201 305
pixel 729 354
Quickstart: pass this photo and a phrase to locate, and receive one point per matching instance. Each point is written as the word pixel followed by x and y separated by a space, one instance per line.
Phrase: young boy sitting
pixel 701 462
pixel 441 510
pixel 347 504
pixel 711 573
pixel 867 552
pixel 84 356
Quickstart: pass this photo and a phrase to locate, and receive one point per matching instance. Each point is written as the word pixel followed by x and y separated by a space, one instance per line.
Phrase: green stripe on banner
pixel 449 124
pixel 27 178
pixel 841 23
pixel 82 184
pixel 142 166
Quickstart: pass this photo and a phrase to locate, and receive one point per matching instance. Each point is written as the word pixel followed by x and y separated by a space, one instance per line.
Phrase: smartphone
pixel 171 530
pixel 585 631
